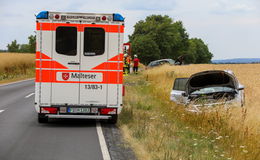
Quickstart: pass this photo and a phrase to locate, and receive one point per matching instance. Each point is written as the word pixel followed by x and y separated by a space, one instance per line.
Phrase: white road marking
pixel 102 142
pixel 2 111
pixel 29 95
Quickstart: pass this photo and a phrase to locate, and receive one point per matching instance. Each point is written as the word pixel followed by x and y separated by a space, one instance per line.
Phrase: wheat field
pixel 16 66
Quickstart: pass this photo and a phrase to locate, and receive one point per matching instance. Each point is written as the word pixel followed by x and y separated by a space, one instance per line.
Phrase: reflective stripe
pixel 117 57
pixel 109 77
pixel 49 64
pixel 110 66
pixel 40 55
pixel 53 26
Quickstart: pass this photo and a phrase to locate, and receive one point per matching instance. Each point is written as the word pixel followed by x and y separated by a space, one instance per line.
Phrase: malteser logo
pixel 79 76
pixel 65 76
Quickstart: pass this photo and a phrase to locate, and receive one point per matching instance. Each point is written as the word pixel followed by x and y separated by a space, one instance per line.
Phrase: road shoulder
pixel 117 147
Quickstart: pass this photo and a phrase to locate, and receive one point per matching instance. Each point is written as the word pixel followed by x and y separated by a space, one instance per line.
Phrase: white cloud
pixel 230 27
pixel 233 7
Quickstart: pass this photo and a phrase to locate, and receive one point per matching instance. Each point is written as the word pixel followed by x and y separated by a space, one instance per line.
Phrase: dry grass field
pixel 16 66
pixel 159 129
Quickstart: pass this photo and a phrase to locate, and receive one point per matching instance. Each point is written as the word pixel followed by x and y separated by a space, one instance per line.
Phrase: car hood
pixel 212 78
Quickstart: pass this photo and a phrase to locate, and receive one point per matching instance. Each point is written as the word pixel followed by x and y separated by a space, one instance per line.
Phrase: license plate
pixel 78 110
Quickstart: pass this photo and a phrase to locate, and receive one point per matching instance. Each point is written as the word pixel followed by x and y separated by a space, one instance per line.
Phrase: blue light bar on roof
pixel 118 17
pixel 43 15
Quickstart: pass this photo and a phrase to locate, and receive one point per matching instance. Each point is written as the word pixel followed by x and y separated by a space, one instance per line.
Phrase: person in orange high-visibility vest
pixel 136 64
pixel 126 64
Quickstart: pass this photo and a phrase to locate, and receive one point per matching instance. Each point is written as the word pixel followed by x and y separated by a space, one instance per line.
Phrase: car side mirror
pixel 184 94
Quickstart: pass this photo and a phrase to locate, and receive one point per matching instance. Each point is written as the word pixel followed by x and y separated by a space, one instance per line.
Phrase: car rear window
pixel 94 41
pixel 66 41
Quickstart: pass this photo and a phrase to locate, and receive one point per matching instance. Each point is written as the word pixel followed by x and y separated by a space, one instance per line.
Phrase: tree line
pixel 23 48
pixel 159 37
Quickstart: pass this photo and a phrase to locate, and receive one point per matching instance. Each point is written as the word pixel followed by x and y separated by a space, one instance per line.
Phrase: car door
pixel 178 91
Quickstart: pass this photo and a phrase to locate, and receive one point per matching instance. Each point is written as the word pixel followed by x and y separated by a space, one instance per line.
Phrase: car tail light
pixel 51 110
pixel 108 111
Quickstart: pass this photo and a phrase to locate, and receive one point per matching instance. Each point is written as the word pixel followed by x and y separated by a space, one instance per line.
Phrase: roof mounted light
pixel 104 18
pixel 43 15
pixel 118 17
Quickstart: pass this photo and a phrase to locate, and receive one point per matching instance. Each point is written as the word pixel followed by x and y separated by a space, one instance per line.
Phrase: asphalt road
pixel 23 138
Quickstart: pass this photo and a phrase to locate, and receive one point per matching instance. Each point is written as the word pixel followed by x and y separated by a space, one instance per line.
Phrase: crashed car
pixel 208 88
pixel 160 62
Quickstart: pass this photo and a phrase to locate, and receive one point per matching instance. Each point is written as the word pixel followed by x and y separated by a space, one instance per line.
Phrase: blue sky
pixel 231 28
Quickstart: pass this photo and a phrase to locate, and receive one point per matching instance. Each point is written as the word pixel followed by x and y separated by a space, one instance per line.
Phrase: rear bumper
pixel 80 116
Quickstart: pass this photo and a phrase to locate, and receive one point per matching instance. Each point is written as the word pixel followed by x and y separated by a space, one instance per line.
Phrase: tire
pixel 42 118
pixel 113 120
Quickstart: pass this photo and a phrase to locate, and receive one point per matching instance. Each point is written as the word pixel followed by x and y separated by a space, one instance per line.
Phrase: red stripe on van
pixel 40 55
pixel 110 66
pixel 53 26
pixel 117 58
pixel 49 64
pixel 43 75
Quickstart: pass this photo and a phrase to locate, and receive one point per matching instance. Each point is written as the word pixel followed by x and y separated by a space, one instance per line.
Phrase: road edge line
pixel 1 111
pixel 6 84
pixel 102 142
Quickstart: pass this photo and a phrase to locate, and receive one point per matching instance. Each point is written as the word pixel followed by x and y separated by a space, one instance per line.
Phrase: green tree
pixel 146 48
pixel 24 48
pixel 170 37
pixel 32 44
pixel 199 51
pixel 13 47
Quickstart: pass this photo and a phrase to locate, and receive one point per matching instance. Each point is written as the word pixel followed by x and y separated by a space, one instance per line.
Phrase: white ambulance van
pixel 79 65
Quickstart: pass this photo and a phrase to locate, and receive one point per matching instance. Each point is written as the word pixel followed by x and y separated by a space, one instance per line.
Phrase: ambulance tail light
pixel 108 111
pixel 118 17
pixel 43 15
pixel 50 110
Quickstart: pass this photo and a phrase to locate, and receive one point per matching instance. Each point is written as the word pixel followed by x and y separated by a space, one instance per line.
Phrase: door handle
pixel 73 63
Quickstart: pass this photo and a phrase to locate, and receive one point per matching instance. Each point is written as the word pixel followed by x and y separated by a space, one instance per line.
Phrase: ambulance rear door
pixel 66 51
pixel 93 66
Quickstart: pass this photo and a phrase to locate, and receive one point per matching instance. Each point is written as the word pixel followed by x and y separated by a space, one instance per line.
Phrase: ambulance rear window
pixel 66 41
pixel 94 41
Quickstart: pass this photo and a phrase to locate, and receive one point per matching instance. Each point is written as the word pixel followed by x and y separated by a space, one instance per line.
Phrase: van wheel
pixel 113 120
pixel 42 118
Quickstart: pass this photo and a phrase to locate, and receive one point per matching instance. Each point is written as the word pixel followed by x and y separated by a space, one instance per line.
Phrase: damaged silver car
pixel 208 88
